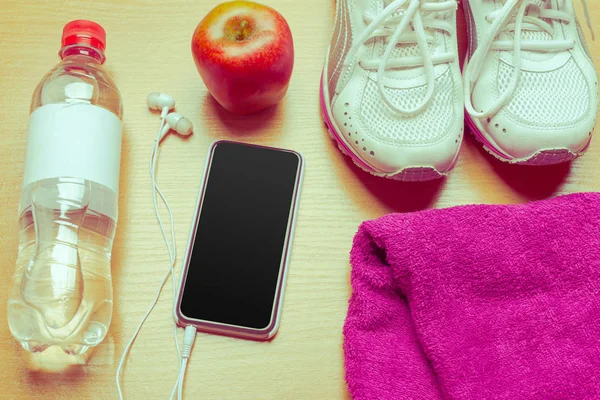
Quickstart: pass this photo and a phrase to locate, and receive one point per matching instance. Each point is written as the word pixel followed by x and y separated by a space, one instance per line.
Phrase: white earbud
pixel 179 124
pixel 160 101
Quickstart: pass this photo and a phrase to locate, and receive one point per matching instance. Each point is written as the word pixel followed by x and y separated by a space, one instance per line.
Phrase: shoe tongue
pixel 402 50
pixel 538 36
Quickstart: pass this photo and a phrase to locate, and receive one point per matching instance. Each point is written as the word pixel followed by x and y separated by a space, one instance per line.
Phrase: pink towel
pixel 477 302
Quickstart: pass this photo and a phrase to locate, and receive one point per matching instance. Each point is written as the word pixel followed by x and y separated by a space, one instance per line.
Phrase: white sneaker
pixel 531 90
pixel 391 89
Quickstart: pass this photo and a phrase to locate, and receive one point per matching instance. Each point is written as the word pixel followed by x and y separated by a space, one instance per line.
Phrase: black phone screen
pixel 241 236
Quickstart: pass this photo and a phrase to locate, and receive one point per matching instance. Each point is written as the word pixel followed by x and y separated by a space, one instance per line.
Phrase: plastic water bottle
pixel 62 288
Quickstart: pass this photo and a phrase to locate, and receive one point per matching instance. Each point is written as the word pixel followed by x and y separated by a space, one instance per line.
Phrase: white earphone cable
pixel 181 378
pixel 188 343
pixel 172 249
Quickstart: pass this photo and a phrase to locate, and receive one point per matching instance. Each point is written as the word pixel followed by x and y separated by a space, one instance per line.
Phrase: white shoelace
pixel 395 30
pixel 506 20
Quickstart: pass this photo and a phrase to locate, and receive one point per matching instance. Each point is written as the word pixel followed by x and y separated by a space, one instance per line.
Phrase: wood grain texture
pixel 149 50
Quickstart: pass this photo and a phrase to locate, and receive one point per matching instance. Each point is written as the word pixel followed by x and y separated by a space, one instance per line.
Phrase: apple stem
pixel 241 34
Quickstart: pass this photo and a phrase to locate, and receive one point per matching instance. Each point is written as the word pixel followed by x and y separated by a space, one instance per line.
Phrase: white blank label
pixel 74 140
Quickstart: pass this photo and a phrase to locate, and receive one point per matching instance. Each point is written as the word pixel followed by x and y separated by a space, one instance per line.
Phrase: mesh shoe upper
pixel 554 103
pixel 536 102
pixel 424 128
pixel 378 134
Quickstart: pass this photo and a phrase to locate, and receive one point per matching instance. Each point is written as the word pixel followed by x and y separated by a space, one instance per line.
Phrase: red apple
pixel 245 55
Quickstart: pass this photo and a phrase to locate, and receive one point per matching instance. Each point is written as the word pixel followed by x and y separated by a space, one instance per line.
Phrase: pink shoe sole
pixel 409 174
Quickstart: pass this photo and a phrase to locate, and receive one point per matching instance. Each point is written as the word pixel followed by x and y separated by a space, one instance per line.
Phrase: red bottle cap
pixel 84 32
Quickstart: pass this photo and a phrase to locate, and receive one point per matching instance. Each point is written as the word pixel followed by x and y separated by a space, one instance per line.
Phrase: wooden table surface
pixel 149 50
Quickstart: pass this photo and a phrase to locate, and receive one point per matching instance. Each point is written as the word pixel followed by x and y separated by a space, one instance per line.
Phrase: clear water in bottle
pixel 62 286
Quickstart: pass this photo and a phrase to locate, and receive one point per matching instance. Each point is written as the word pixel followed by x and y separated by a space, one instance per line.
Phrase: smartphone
pixel 236 261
